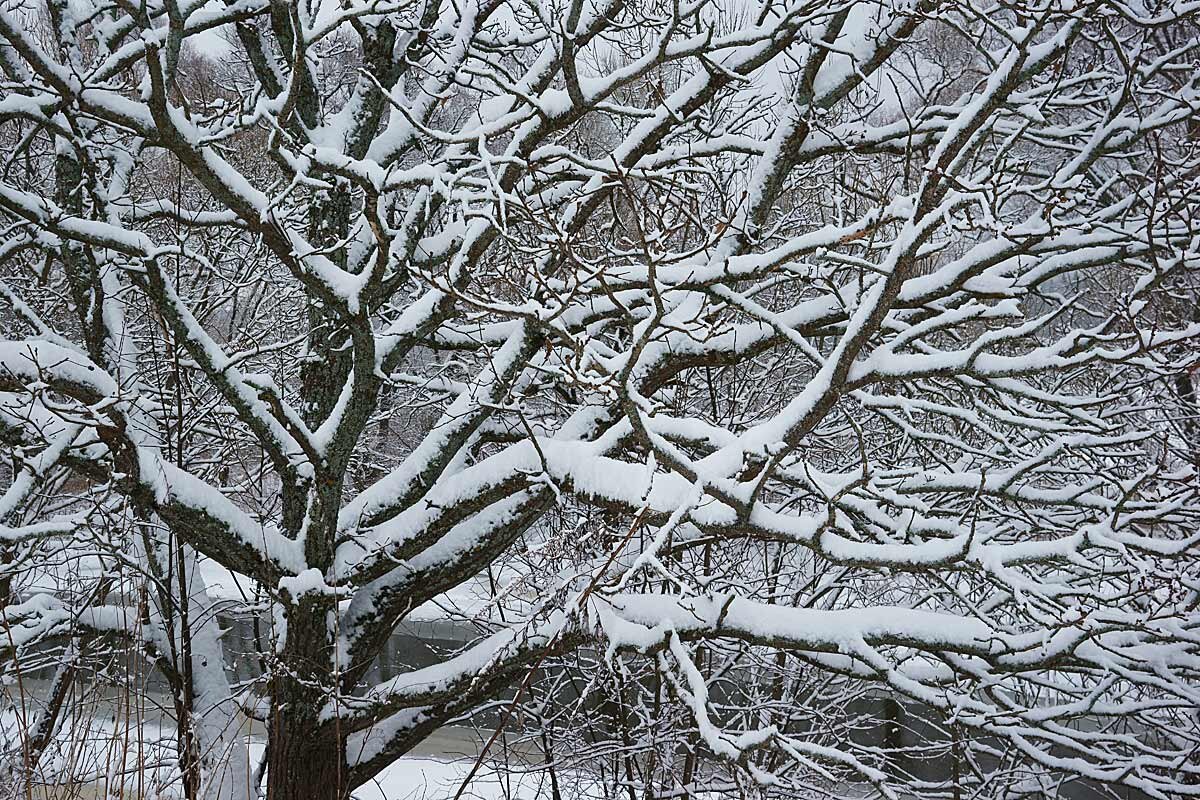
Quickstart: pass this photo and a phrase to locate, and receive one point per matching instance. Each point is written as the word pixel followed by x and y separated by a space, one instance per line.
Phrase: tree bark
pixel 302 766
pixel 306 760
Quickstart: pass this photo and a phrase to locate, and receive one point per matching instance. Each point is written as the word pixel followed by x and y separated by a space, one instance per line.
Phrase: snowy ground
pixel 407 779
pixel 108 750
pixel 419 778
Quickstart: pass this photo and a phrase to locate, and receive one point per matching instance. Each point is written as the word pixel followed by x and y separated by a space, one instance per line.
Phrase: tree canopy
pixel 786 351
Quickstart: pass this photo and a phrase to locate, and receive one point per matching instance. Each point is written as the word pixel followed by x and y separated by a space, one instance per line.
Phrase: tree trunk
pixel 304 766
pixel 306 759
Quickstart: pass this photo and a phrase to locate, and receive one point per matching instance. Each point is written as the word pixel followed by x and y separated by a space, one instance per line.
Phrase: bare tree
pixel 775 353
